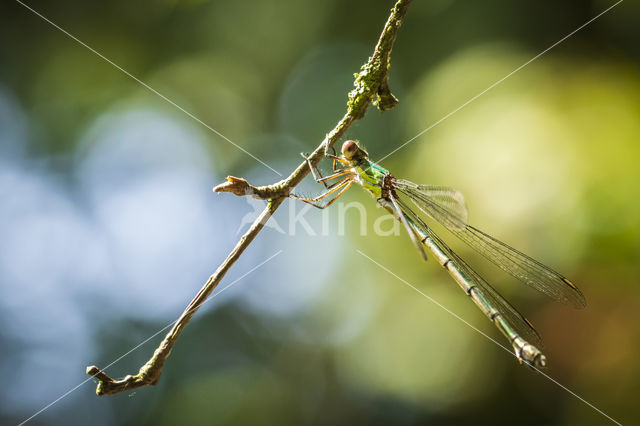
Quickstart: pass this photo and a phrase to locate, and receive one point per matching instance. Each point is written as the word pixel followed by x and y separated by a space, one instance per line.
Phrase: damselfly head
pixel 351 150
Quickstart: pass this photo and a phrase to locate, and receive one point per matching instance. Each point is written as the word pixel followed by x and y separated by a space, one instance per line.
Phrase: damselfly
pixel 446 206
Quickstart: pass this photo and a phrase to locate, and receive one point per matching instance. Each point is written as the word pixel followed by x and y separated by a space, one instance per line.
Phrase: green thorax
pixel 370 176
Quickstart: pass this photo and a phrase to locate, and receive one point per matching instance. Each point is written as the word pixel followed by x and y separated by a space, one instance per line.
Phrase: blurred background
pixel 108 225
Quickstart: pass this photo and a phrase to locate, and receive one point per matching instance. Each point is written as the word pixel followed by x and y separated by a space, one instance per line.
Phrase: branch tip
pixel 241 188
pixel 235 185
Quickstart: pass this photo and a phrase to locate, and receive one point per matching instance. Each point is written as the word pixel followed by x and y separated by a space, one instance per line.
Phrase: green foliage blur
pixel 548 160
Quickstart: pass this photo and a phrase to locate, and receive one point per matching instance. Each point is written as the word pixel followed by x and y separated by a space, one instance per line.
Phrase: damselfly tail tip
pixel 529 354
pixel 541 361
pixel 538 362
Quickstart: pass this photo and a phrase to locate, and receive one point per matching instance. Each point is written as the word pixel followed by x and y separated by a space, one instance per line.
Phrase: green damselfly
pixel 446 206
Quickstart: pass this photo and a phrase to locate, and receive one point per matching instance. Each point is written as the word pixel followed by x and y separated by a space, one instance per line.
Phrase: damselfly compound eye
pixel 349 148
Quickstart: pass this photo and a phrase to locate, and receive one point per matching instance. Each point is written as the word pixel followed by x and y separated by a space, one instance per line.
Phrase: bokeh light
pixel 108 225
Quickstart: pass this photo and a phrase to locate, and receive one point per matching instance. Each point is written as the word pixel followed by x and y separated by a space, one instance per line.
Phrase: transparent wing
pixel 512 261
pixel 519 323
pixel 448 199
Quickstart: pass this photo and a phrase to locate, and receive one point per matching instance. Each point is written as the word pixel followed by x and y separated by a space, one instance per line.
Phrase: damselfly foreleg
pixel 339 187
